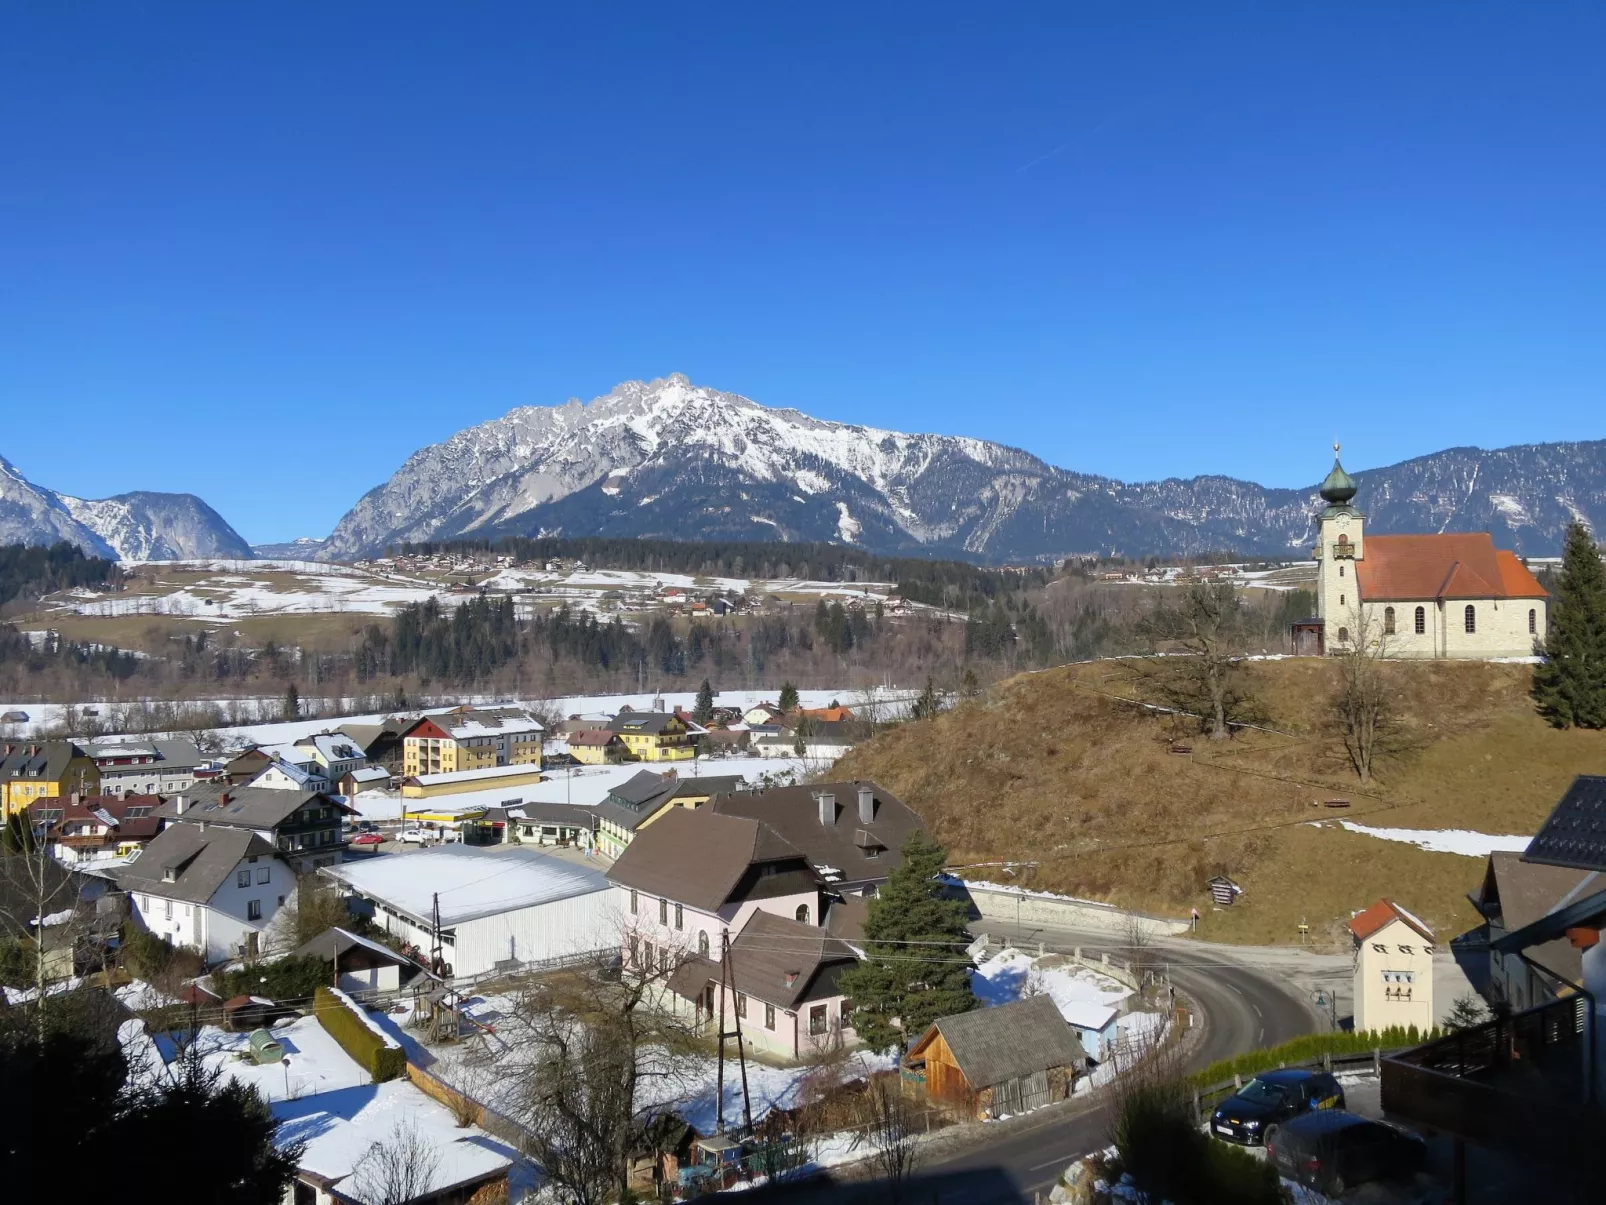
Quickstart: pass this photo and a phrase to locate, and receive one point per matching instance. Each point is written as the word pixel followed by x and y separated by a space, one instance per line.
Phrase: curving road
pixel 1241 1009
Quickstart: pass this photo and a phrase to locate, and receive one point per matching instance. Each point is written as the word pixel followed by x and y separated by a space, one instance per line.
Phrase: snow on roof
pixel 335 746
pixel 488 774
pixel 341 1127
pixel 1084 1015
pixel 472 882
pixel 369 773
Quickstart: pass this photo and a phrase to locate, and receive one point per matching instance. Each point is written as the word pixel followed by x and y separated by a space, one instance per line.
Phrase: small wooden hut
pixel 997 1062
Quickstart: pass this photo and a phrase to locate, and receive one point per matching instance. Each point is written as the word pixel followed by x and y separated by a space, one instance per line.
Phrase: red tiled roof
pixel 1459 565
pixel 1365 923
pixel 592 736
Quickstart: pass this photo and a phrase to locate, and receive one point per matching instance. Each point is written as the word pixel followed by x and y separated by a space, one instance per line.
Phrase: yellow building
pixel 597 747
pixel 429 786
pixel 466 738
pixel 654 735
pixel 42 769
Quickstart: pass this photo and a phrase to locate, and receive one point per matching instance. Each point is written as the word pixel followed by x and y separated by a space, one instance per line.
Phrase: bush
pixel 384 1060
pixel 1307 1048
pixel 1169 1158
pixel 285 979
pixel 151 957
pixel 17 962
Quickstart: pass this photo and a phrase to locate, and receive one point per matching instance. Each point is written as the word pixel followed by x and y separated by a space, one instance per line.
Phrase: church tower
pixel 1340 542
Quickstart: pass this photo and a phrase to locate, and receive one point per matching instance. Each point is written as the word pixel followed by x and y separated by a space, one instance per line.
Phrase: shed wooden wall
pixel 944 1079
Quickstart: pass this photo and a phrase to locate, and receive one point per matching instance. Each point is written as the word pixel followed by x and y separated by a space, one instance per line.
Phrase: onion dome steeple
pixel 1339 487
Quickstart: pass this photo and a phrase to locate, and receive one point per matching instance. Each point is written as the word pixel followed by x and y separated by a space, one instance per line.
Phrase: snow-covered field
pixel 1446 840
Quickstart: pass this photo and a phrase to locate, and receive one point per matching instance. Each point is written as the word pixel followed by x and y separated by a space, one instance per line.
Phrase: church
pixel 1446 595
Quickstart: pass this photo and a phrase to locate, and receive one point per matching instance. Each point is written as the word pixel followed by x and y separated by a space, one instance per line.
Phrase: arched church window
pixel 702 942
pixel 1341 571
pixel 1388 621
pixel 1471 618
pixel 1421 620
pixel 1343 635
pixel 1533 622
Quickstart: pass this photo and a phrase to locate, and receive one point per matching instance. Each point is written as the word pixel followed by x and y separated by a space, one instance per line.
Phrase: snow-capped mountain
pixel 140 526
pixel 672 459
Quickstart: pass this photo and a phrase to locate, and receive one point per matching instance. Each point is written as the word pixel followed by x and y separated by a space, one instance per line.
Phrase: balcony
pixel 1513 1081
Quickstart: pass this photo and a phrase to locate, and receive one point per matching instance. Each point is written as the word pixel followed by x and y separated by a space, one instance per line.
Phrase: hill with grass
pixel 1064 780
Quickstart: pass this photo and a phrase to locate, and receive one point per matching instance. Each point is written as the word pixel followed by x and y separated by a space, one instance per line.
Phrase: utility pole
pixel 727 976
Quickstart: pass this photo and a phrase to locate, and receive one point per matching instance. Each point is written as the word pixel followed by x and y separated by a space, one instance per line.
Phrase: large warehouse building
pixel 498 909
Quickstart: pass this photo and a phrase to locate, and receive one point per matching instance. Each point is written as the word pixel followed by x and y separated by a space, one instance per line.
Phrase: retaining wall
pixel 1006 906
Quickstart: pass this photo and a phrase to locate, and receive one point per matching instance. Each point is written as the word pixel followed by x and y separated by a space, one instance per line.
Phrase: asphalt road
pixel 1242 1009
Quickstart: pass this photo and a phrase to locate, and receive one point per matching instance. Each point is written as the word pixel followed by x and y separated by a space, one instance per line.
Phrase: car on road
pixel 1332 1151
pixel 1270 1098
pixel 368 839
pixel 415 836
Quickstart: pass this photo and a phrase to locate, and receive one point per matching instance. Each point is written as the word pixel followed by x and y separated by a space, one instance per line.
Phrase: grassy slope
pixel 1049 768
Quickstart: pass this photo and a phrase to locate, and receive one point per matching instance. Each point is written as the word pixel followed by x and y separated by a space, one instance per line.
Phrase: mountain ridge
pixel 142 525
pixel 670 459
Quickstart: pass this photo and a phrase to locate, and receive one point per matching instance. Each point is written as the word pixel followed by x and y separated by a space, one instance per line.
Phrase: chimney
pixel 791 978
pixel 75 798
pixel 179 804
pixel 866 804
pixel 827 809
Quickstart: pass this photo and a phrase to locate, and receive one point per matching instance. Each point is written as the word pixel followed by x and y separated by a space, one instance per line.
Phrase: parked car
pixel 1270 1098
pixel 415 836
pixel 368 839
pixel 1332 1151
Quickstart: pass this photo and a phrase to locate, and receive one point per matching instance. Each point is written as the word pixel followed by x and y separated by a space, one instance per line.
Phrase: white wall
pixel 217 927
pixel 580 924
pixel 1374 1009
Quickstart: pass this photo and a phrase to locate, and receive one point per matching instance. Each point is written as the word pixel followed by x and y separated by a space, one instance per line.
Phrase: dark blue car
pixel 1270 1098
pixel 1332 1151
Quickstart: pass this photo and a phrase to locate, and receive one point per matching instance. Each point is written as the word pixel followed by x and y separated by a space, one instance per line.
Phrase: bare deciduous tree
pixel 398 1170
pixel 33 890
pixel 594 1061
pixel 889 1128
pixel 1362 707
pixel 1207 680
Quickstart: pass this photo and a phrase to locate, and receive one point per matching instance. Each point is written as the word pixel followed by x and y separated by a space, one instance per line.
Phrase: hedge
pixel 344 1021
pixel 1308 1047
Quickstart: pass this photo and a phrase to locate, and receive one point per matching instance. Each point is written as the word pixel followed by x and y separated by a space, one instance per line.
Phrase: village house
pixel 359 966
pixel 208 888
pixel 297 772
pixel 364 778
pixel 381 743
pixel 852 833
pixel 303 827
pixel 654 735
pixel 763 713
pixel 999 1062
pixel 637 802
pixel 1514 894
pixel 538 823
pixel 145 767
pixel 597 747
pixel 45 769
pixel 334 754
pixel 1520 1094
pixel 1451 594
pixel 1393 969
pixel 467 738
pixel 98 828
pixel 696 884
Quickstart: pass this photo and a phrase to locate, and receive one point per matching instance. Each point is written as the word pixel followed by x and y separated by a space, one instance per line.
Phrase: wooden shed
pixel 1223 891
pixel 997 1062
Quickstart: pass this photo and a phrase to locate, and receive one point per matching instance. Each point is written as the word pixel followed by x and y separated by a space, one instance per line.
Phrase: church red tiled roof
pixel 1459 565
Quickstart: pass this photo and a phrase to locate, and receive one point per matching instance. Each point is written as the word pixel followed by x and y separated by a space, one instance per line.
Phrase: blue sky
pixel 264 252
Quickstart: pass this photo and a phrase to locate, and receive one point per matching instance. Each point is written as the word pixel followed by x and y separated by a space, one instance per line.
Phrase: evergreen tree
pixel 1570 685
pixel 928 704
pixel 915 969
pixel 788 700
pixel 703 711
pixel 292 702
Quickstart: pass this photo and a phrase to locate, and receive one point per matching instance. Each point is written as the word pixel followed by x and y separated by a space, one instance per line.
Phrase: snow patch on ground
pixel 1011 975
pixel 1446 840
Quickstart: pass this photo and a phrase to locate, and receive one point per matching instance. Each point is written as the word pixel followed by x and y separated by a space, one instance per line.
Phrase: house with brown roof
pixel 1393 969
pixel 730 913
pixel 852 833
pixel 999 1062
pixel 94 828
pixel 1450 594
pixel 597 747
pixel 1516 893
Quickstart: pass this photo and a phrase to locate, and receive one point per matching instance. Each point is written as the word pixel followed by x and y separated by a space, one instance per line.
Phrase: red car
pixel 368 839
